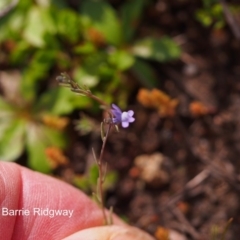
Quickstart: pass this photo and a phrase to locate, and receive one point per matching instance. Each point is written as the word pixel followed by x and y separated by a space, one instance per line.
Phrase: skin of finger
pixel 22 188
pixel 110 233
pixel 10 191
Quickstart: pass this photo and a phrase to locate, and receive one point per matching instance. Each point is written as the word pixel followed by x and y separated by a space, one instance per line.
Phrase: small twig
pixel 187 225
pixel 196 181
pixel 65 80
pixel 89 94
pixel 230 19
pixel 193 183
pixel 101 176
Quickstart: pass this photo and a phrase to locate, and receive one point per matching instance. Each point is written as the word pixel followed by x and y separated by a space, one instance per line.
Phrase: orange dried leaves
pixel 55 122
pixel 159 100
pixel 145 98
pixel 162 233
pixel 96 37
pixel 197 109
pixel 56 157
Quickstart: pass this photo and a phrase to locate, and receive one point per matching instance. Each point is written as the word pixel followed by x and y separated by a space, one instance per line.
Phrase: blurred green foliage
pixel 87 182
pixel 97 44
pixel 211 14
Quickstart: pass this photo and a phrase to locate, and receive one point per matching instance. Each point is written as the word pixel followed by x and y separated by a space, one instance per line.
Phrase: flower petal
pixel 125 124
pixel 115 107
pixel 125 117
pixel 116 111
pixel 132 119
pixel 130 113
pixel 122 117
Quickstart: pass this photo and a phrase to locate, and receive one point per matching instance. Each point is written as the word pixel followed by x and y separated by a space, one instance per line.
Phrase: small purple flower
pixel 116 111
pixel 122 117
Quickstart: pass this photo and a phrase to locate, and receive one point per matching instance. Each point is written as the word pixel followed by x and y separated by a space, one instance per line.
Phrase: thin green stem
pixel 89 94
pixel 101 177
pixel 65 80
pixel 97 99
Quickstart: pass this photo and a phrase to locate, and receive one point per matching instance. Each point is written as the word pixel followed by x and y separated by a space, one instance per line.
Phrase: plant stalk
pixel 101 177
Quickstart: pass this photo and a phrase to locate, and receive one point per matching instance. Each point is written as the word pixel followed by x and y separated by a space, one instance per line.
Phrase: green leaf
pixel 211 14
pixel 121 59
pixel 33 34
pixel 37 70
pixel 93 174
pixel 204 17
pixel 162 50
pixel 39 137
pixel 20 53
pixel 38 23
pixel 81 182
pixel 12 24
pixel 6 110
pixel 85 48
pixel 61 101
pixel 130 15
pixel 111 180
pixel 59 3
pixel 68 24
pixel 97 65
pixel 55 137
pixel 13 140
pixel 36 146
pixel 101 16
pixel 145 73
pixel 84 78
pixel 5 123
